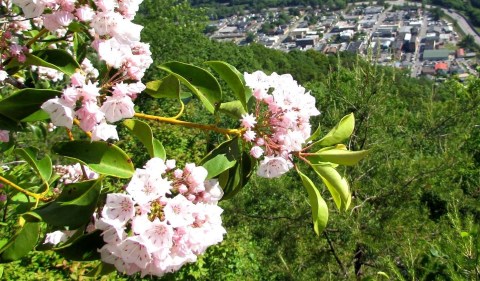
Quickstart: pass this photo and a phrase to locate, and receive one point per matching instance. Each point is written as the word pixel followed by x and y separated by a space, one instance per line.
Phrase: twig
pixel 332 249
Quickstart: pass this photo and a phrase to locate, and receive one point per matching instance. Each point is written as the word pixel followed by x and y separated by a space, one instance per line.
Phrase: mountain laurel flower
pixel 166 228
pixel 3 75
pixel 117 108
pixel 273 167
pixel 60 113
pixel 248 121
pixel 280 124
pixel 104 131
pixel 249 135
pixel 4 136
pixel 256 152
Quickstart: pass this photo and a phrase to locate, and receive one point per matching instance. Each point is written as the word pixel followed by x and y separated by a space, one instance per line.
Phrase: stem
pixel 89 134
pixel 204 127
pixel 26 192
pixel 35 38
pixel 332 249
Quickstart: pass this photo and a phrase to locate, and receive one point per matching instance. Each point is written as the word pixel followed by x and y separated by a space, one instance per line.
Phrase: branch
pixel 204 127
pixel 332 249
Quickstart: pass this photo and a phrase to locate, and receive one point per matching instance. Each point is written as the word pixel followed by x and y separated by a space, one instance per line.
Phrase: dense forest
pixel 416 198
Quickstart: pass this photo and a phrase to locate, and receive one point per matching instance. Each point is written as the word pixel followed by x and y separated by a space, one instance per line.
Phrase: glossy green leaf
pixel 36 116
pixel 229 148
pixel 334 181
pixel 9 124
pixel 43 166
pixel 318 205
pixel 103 158
pixel 84 248
pixel 168 87
pixel 144 133
pixel 217 165
pixel 342 131
pixel 235 178
pixel 73 208
pixel 24 103
pixel 339 155
pixel 21 243
pixel 315 135
pixel 53 58
pixel 79 42
pixel 234 80
pixel 201 82
pixel 232 108
pixel 101 269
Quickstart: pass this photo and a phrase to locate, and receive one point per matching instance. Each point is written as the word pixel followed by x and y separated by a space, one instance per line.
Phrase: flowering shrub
pixel 166 216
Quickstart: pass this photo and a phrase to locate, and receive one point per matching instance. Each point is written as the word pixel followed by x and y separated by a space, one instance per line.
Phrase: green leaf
pixel 73 208
pixel 36 116
pixel 318 205
pixel 79 42
pixel 229 148
pixel 101 269
pixel 235 178
pixel 103 158
pixel 43 166
pixel 53 58
pixel 342 131
pixel 21 243
pixel 232 108
pixel 233 78
pixel 168 87
pixel 217 165
pixel 315 135
pixel 338 155
pixel 143 132
pixel 334 181
pixel 84 248
pixel 201 82
pixel 25 102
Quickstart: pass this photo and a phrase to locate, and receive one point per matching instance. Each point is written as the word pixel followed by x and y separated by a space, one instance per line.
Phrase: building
pixel 304 42
pixel 347 34
pixel 437 55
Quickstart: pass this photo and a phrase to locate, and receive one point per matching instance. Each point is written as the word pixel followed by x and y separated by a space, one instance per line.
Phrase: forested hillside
pixel 416 198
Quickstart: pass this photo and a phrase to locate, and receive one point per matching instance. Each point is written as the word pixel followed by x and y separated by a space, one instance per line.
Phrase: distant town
pixel 409 38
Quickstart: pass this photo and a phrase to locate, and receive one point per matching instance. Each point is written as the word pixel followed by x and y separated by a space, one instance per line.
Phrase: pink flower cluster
pixel 166 219
pixel 74 173
pixel 116 40
pixel 280 124
pixel 4 136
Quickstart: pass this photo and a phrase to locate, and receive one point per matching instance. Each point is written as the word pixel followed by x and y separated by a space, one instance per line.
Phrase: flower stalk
pixel 37 196
pixel 203 127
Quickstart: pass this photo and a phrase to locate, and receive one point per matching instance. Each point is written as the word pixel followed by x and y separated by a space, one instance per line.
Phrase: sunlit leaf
pixel 232 108
pixel 334 181
pixel 168 87
pixel 53 58
pixel 337 155
pixel 201 82
pixel 342 131
pixel 24 102
pixel 144 133
pixel 101 157
pixel 21 243
pixel 73 208
pixel 234 80
pixel 43 166
pixel 318 205
pixel 217 165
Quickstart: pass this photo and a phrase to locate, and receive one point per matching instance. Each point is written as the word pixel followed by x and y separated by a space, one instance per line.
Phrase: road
pixel 463 25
